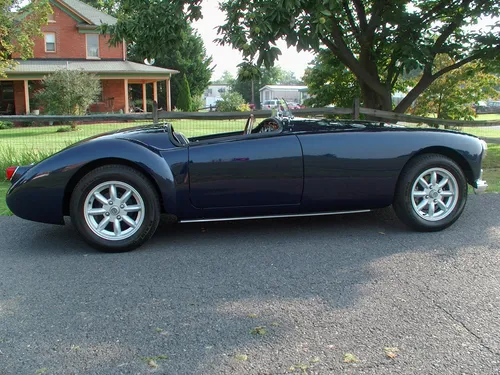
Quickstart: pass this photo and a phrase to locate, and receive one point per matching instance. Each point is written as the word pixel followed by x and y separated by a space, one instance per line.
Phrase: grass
pixel 483 132
pixel 48 138
pixel 488 116
pixel 4 186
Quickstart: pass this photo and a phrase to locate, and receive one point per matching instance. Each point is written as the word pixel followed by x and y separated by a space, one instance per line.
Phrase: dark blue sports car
pixel 115 186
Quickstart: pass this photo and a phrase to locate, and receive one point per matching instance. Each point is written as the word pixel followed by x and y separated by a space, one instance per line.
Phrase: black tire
pixel 403 204
pixel 150 214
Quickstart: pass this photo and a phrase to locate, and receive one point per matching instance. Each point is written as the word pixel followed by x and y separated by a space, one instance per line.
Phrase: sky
pixel 226 58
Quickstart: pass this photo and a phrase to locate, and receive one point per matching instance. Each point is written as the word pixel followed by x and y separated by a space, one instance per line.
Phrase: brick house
pixel 71 40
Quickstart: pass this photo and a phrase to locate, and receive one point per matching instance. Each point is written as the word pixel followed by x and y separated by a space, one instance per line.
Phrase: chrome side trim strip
pixel 273 216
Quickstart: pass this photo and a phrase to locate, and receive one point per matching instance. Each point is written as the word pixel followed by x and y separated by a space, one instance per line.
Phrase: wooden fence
pixel 355 112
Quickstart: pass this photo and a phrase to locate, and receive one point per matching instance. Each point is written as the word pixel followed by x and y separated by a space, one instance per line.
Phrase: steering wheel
pixel 249 125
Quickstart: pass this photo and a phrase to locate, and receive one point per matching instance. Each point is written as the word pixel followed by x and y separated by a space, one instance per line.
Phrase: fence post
pixel 355 112
pixel 155 112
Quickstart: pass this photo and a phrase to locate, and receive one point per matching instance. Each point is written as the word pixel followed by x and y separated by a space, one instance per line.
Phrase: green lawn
pixel 485 117
pixel 4 186
pixel 47 138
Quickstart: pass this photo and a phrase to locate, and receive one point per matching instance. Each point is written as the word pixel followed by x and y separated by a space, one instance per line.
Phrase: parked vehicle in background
pixel 270 104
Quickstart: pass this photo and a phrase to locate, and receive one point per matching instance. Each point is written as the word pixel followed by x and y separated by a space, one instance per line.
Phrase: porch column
pixel 155 91
pixel 169 99
pixel 144 98
pixel 26 97
pixel 125 87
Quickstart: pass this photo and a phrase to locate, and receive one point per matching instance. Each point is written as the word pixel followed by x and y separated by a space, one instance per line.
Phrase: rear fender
pixel 38 195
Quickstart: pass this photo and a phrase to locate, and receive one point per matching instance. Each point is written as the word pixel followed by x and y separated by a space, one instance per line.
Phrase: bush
pixel 197 103
pixel 6 125
pixel 232 101
pixel 64 129
pixel 68 92
pixel 184 100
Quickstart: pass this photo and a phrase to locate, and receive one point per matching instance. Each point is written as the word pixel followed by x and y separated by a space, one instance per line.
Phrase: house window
pixel 50 42
pixel 51 18
pixel 92 46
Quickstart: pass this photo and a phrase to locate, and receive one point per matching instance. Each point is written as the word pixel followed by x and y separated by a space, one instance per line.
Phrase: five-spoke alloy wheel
pixel 431 193
pixel 115 208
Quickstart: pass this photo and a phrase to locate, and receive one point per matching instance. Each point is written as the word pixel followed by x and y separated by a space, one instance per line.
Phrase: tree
pixel 189 58
pixel 248 72
pixel 184 98
pixel 330 82
pixel 68 92
pixel 288 78
pixel 18 30
pixel 107 6
pixel 226 79
pixel 453 95
pixel 243 85
pixel 377 40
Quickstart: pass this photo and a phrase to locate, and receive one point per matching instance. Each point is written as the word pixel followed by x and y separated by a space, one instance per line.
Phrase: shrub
pixel 184 99
pixel 197 103
pixel 68 92
pixel 6 125
pixel 232 101
pixel 64 129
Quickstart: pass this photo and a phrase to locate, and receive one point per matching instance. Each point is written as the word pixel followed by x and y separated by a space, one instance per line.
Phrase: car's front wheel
pixel 431 193
pixel 115 208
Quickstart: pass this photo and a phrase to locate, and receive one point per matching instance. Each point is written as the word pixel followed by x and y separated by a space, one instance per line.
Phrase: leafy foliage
pixel 68 92
pixel 226 78
pixel 184 99
pixel 18 30
pixel 330 82
pixel 154 26
pixel 107 6
pixel 261 77
pixel 378 41
pixel 453 95
pixel 231 102
pixel 189 57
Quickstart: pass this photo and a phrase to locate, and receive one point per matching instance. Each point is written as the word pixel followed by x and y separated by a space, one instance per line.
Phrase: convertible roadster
pixel 116 185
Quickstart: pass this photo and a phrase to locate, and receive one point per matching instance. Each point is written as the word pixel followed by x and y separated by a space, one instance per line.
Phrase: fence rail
pixel 354 112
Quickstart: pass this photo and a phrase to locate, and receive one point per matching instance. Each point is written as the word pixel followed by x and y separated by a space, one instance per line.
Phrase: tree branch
pixel 348 12
pixel 344 54
pixel 360 10
pixel 395 79
pixel 457 65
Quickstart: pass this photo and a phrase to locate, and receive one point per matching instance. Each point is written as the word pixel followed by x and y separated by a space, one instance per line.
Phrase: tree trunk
pixel 374 100
pixel 253 93
pixel 419 88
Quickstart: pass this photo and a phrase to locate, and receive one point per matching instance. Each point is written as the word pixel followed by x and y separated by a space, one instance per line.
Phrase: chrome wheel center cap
pixel 114 210
pixel 433 194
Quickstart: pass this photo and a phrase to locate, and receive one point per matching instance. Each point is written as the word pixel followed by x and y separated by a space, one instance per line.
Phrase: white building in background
pixel 213 93
pixel 294 94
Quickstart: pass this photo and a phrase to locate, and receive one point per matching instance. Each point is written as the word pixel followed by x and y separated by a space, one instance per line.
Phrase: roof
pixel 283 87
pixel 95 16
pixel 47 66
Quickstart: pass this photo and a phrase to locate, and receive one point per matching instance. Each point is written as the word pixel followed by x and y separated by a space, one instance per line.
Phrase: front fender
pixel 39 194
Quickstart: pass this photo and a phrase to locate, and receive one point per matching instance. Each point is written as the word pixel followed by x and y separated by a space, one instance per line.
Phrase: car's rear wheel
pixel 115 208
pixel 431 193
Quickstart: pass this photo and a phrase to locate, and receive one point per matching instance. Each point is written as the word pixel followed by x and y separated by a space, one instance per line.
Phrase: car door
pixel 246 171
pixel 349 170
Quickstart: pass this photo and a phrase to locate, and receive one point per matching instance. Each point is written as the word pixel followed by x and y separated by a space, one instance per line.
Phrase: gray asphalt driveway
pixel 261 297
